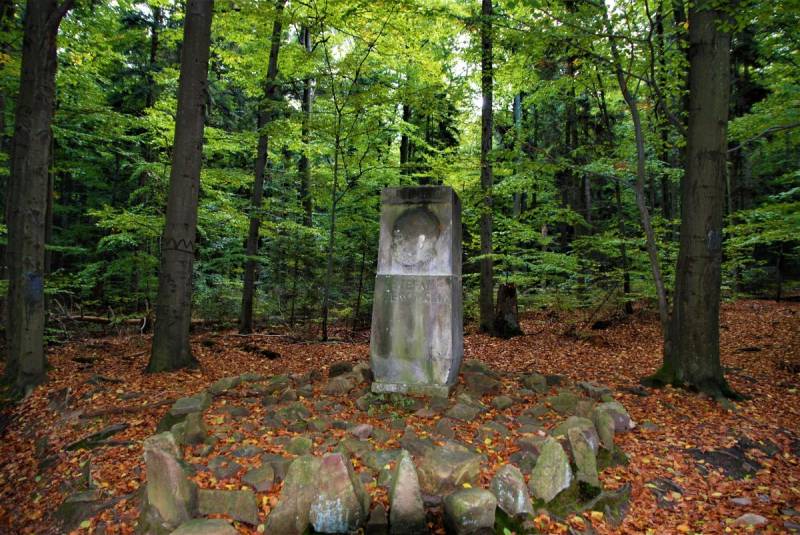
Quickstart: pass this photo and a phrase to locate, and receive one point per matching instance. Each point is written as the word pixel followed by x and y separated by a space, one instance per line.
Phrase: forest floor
pixel 675 450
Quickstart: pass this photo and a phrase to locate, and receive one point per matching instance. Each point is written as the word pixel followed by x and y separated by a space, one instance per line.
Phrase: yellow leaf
pixel 597 515
pixel 467 486
pixel 684 528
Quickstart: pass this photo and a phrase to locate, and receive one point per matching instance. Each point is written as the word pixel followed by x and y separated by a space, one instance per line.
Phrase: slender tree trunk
pixel 262 155
pixel 28 194
pixel 171 349
pixel 155 29
pixel 405 143
pixel 331 238
pixel 486 297
pixel 304 164
pixel 357 308
pixel 639 186
pixel 691 357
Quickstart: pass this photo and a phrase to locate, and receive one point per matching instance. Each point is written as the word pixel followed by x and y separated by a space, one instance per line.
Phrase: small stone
pixel 380 435
pixel 319 424
pixel 280 465
pixel 552 472
pixel 513 497
pixel 583 425
pixel 205 526
pixel 480 384
pixel 341 503
pixel 443 469
pixel 554 380
pixel 470 512
pixel 223 385
pixel 361 431
pixel 378 523
pixel 78 507
pixel 621 418
pixel 650 427
pixel 741 502
pixel 238 504
pixel 300 445
pixel 261 478
pixel 750 519
pixel 502 402
pixel 288 395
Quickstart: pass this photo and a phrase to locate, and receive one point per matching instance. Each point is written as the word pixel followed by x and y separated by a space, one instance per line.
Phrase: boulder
pixel 169 493
pixel 594 390
pixel 620 416
pixel 78 507
pixel 290 515
pixel 565 402
pixel 223 468
pixel 341 504
pixel 480 384
pixel 445 427
pixel 536 382
pixel 362 372
pixel 583 426
pixel 508 486
pixel 205 526
pixel 300 445
pixel 605 427
pixel 463 411
pixel 340 368
pixel 378 522
pixel 445 469
pixel 584 452
pixel 361 431
pixel 750 520
pixel 223 385
pixel 341 384
pixel 502 402
pixel 552 472
pixel 245 452
pixel 194 429
pixel 470 512
pixel 238 504
pixel 261 478
pixel 407 512
pixel 197 403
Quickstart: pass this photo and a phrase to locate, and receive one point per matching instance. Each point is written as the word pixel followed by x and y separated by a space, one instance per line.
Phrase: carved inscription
pixel 415 289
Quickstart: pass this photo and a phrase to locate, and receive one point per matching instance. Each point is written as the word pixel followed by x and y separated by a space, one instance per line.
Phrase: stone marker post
pixel 417 326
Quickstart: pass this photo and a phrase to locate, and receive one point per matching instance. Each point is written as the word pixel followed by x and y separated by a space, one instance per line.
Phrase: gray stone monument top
pixel 417 326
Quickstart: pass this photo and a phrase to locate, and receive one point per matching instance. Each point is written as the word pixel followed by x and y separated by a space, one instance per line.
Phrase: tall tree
pixel 29 191
pixel 304 164
pixel 265 115
pixel 171 349
pixel 691 352
pixel 485 299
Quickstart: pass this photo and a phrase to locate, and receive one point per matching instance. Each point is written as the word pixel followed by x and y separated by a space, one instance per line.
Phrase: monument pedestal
pixel 417 327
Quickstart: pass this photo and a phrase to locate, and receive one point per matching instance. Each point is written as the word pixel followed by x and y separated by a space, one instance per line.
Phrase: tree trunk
pixel 28 192
pixel 357 309
pixel 507 312
pixel 262 155
pixel 304 164
pixel 639 186
pixel 691 356
pixel 405 143
pixel 487 269
pixel 171 349
pixel 331 237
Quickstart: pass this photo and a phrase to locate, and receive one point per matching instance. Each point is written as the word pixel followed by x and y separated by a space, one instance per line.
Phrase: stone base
pixel 439 391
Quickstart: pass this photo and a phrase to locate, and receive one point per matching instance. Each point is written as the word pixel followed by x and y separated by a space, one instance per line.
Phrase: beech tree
pixel 691 351
pixel 261 168
pixel 485 298
pixel 28 194
pixel 171 349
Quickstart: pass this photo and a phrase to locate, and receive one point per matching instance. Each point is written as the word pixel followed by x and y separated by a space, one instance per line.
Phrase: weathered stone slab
pixel 417 325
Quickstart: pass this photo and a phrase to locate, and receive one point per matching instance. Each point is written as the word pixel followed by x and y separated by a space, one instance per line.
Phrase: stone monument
pixel 417 325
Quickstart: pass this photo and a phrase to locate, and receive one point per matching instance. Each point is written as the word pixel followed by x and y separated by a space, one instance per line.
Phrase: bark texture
pixel 28 192
pixel 171 349
pixel 304 164
pixel 264 118
pixel 691 357
pixel 485 300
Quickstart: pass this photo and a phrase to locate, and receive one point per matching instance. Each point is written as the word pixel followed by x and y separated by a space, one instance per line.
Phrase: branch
pixel 766 132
